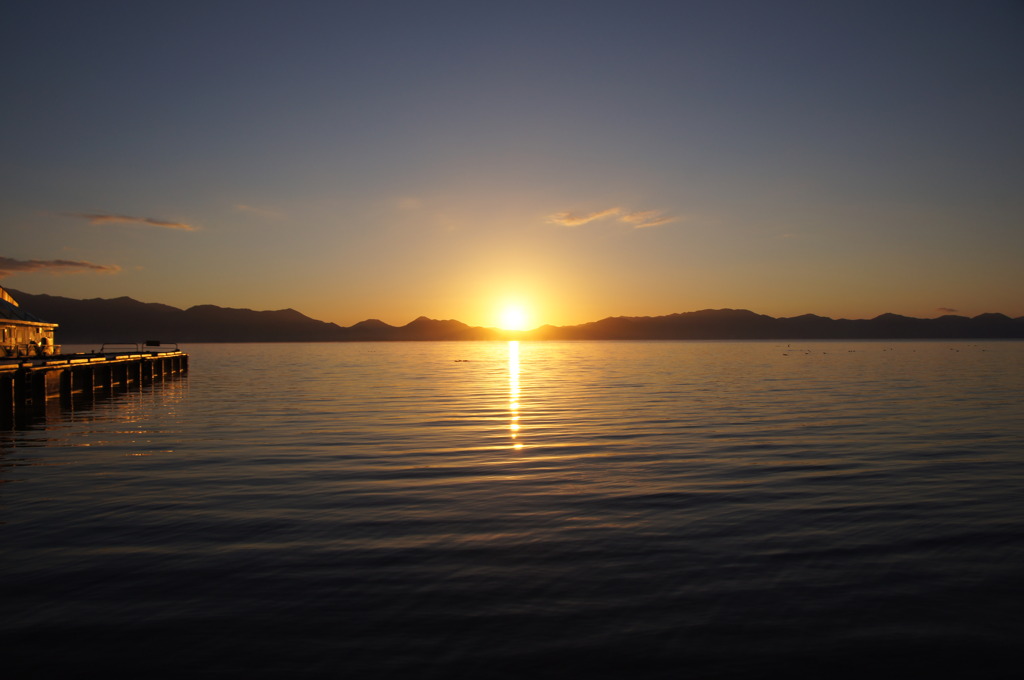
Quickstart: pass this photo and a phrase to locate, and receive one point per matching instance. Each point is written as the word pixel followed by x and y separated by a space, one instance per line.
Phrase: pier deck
pixel 28 383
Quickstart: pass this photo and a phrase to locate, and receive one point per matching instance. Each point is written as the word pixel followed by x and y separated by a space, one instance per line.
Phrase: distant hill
pixel 127 320
pixel 124 319
pixel 740 324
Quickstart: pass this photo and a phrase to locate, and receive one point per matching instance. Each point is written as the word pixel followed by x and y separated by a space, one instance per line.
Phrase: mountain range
pixel 125 319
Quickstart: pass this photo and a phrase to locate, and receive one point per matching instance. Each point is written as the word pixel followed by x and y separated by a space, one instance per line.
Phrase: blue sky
pixel 581 159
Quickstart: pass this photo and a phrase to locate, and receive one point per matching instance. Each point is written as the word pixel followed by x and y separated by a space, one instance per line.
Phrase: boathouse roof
pixel 11 311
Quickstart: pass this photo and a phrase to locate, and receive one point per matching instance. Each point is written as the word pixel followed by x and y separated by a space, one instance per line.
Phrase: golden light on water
pixel 513 392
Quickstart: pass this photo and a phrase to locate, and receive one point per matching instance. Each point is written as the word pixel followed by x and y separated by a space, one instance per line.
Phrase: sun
pixel 513 318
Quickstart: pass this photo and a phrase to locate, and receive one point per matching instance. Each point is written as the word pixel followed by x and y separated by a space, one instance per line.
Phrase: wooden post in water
pixel 7 400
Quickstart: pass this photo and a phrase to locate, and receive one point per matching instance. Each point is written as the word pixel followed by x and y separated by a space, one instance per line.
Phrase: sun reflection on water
pixel 513 392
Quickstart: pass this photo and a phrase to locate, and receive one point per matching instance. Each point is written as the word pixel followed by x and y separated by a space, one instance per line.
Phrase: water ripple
pixel 615 509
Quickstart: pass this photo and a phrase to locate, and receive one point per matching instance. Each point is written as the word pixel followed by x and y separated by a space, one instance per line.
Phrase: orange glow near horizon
pixel 513 318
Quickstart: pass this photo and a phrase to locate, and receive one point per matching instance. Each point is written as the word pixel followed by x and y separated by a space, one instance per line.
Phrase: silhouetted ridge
pixel 372 323
pixel 742 324
pixel 125 319
pixel 122 319
pixel 423 328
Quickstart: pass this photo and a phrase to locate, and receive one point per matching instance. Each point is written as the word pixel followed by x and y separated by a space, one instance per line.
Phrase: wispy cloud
pixel 9 266
pixel 647 218
pixel 259 212
pixel 637 219
pixel 946 310
pixel 110 218
pixel 568 219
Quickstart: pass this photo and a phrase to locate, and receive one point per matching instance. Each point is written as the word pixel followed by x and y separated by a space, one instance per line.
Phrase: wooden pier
pixel 29 384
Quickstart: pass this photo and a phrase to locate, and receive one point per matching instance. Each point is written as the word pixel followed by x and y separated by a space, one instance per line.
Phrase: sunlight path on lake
pixel 513 392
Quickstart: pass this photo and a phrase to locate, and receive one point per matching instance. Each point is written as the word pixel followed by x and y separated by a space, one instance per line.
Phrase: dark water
pixel 436 510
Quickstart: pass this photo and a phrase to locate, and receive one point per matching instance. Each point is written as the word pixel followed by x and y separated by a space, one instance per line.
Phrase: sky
pixel 576 160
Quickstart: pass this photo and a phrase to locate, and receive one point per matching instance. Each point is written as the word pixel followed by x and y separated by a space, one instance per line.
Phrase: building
pixel 23 334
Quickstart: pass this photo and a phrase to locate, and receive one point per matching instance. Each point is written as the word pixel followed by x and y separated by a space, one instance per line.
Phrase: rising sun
pixel 513 318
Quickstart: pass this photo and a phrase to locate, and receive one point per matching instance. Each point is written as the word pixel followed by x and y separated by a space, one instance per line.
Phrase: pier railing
pixel 147 346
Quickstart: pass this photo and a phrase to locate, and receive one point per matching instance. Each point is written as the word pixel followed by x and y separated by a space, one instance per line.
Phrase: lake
pixel 544 509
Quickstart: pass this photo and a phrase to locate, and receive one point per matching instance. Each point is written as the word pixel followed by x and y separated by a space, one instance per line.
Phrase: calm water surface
pixel 614 509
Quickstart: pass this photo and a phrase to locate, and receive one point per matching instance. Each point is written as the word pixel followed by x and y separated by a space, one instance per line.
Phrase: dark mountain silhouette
pixel 740 324
pixel 432 329
pixel 372 329
pixel 421 328
pixel 127 320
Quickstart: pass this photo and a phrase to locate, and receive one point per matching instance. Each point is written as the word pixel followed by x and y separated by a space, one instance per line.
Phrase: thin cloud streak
pixel 647 218
pixel 9 266
pixel 111 218
pixel 568 219
pixel 641 219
